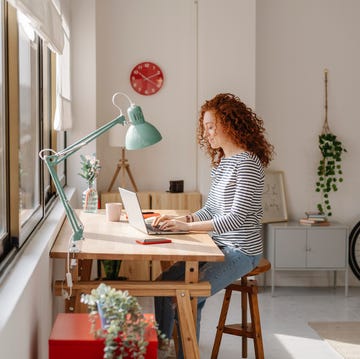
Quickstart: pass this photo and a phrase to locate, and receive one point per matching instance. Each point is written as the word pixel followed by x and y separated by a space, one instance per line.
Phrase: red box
pixel 70 338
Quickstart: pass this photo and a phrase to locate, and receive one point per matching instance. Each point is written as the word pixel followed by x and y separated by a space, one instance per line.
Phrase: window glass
pixel 63 76
pixel 29 141
pixel 47 117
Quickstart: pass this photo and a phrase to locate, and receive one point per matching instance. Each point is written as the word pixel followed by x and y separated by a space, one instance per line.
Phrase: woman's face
pixel 213 130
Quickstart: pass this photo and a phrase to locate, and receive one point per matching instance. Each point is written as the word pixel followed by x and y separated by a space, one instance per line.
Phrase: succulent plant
pixel 123 323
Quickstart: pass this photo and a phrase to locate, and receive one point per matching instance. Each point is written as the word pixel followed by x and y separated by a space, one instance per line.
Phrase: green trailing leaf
pixel 329 170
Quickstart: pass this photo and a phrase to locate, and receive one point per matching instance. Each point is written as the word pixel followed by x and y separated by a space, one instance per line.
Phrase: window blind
pixel 45 19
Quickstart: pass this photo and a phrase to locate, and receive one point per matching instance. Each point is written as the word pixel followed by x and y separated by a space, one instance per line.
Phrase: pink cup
pixel 113 212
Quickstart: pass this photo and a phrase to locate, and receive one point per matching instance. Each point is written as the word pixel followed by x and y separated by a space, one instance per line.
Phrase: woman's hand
pixel 164 217
pixel 174 225
pixel 170 223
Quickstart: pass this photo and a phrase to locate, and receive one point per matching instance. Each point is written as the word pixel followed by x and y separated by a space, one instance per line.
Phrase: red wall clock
pixel 146 78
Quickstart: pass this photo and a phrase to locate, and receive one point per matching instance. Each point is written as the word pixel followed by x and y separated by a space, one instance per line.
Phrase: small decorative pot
pixel 90 199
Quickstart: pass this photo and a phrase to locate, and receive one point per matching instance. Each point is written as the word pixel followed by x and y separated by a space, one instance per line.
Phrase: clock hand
pixel 143 76
pixel 148 79
pixel 153 75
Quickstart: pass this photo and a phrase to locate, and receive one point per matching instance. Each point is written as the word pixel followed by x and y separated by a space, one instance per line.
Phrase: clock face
pixel 146 78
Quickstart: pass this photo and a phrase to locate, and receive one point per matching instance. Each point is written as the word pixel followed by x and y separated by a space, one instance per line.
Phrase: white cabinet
pixel 291 246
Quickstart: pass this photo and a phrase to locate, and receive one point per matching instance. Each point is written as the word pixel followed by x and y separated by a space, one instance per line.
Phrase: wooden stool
pixel 249 290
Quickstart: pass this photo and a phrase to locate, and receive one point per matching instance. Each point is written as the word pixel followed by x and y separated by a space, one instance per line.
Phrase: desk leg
pixel 85 266
pixel 187 325
pixel 83 271
pixel 192 276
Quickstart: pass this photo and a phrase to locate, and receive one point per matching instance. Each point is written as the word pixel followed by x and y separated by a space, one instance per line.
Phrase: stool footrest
pixel 239 330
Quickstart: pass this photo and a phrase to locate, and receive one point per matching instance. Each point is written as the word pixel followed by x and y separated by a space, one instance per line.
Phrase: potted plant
pixel 123 323
pixel 111 269
pixel 90 169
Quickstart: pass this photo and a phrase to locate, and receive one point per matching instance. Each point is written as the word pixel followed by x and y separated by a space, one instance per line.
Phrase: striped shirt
pixel 234 203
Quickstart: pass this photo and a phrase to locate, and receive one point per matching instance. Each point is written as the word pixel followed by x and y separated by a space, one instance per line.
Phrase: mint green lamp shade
pixel 140 134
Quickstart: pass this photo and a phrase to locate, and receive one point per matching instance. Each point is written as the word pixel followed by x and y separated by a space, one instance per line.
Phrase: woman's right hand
pixel 164 217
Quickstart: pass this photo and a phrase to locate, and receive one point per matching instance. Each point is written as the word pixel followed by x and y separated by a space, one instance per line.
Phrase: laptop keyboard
pixel 156 229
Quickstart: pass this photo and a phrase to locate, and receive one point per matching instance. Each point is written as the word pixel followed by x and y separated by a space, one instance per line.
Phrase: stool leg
pixel 176 338
pixel 220 326
pixel 244 323
pixel 255 319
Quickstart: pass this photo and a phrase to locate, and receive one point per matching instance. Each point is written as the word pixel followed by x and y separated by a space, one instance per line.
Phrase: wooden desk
pixel 116 240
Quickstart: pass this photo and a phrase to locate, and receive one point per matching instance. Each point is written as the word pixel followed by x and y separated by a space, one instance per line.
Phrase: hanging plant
pixel 329 170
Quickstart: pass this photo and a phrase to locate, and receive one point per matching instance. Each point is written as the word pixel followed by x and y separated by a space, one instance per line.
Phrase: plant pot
pixel 90 199
pixel 105 322
pixel 111 269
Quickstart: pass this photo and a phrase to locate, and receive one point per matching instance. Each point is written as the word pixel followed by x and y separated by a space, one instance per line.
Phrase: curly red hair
pixel 242 125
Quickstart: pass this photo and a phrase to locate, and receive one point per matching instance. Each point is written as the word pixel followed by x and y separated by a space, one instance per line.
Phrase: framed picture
pixel 274 200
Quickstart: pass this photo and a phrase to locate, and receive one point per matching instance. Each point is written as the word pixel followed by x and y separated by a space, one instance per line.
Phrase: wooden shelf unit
pixel 160 200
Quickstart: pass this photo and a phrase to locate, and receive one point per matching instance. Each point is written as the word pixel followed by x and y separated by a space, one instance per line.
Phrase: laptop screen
pixel 133 209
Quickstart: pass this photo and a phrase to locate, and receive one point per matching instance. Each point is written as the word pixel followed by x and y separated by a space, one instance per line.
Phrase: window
pixel 30 212
pixel 48 108
pixel 27 107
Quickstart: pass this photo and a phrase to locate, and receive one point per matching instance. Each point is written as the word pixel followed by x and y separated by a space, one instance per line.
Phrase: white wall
pixel 83 86
pixel 295 42
pixel 199 58
pixel 180 37
pixel 129 32
pixel 226 58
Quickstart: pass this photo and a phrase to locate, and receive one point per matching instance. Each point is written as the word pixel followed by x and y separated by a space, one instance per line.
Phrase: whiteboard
pixel 274 201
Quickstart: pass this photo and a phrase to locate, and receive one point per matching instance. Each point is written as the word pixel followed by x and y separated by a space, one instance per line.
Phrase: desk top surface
pixel 117 240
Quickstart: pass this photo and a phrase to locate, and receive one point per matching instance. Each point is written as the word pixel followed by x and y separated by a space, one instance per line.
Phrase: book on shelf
pixel 314 222
pixel 316 215
pixel 313 213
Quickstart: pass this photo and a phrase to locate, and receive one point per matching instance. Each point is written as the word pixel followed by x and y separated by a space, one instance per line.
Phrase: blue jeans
pixel 219 274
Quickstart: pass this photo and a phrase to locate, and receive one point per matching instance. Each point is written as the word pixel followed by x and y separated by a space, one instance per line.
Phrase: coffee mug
pixel 113 211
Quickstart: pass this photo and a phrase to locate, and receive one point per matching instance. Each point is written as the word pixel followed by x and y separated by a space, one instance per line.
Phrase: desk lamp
pixel 139 135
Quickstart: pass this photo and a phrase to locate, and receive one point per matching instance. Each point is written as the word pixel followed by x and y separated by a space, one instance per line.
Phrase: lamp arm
pixel 76 225
pixel 68 151
pixel 54 159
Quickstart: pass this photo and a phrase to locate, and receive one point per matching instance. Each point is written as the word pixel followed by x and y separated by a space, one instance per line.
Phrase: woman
pixel 234 138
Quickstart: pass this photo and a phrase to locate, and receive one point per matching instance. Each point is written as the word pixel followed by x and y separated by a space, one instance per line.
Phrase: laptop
pixel 135 216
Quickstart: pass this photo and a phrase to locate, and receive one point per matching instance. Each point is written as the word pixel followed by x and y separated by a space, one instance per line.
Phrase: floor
pixel 284 318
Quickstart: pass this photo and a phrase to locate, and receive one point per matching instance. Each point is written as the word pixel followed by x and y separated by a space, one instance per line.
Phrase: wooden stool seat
pixel 252 330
